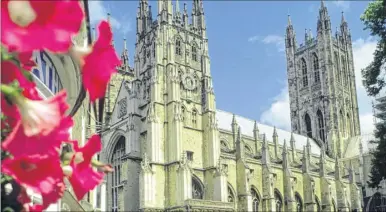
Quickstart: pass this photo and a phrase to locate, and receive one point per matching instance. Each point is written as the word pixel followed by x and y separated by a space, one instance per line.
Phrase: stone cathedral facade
pixel 173 150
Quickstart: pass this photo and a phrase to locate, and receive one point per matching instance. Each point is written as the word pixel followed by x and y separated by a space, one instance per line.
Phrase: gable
pixel 120 108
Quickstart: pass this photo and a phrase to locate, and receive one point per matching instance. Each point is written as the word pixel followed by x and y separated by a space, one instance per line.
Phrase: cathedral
pixel 173 150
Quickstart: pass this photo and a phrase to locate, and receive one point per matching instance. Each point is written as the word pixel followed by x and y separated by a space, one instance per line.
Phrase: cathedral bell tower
pixel 173 106
pixel 321 81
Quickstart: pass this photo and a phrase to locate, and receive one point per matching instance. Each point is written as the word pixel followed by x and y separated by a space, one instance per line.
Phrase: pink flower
pixel 18 144
pixel 84 178
pixel 42 174
pixel 40 25
pixel 100 64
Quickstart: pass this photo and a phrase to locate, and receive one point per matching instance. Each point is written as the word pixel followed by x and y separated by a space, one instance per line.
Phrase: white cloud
pixel 276 40
pixel 343 5
pixel 99 12
pixel 278 114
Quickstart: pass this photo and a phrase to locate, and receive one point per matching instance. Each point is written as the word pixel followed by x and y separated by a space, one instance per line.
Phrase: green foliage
pixel 374 19
pixel 378 170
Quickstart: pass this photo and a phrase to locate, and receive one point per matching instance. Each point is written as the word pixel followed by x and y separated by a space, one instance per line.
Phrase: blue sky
pixel 246 49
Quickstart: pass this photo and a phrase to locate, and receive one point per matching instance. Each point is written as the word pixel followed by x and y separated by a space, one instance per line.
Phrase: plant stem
pixel 9 91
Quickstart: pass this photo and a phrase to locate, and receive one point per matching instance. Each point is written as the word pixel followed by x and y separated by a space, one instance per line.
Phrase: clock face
pixel 188 82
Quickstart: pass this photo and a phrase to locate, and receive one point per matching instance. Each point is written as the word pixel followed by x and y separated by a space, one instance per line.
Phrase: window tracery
pixel 344 70
pixel 231 196
pixel 336 65
pixel 194 118
pixel 197 190
pixel 304 72
pixel 194 53
pixel 307 120
pixel 299 203
pixel 321 125
pixel 178 47
pixel 316 67
pixel 116 161
pixel 278 202
pixel 223 145
pixel 342 123
pixel 255 200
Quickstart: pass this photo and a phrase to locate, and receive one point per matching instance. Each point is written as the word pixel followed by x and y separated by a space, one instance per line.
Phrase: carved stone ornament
pixel 189 82
pixel 145 165
pixel 184 162
pixel 220 169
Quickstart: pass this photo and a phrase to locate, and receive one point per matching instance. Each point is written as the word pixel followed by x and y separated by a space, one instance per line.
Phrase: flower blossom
pixel 40 25
pixel 42 174
pixel 98 63
pixel 84 178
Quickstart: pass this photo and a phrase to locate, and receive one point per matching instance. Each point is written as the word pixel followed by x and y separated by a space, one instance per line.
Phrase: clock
pixel 189 82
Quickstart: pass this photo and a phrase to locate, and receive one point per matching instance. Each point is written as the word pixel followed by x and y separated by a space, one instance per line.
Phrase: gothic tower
pixel 321 81
pixel 172 106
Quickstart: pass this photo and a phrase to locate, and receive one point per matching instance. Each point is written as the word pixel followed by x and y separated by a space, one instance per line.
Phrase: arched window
pixel 248 150
pixel 278 202
pixel 194 53
pixel 194 118
pixel 348 125
pixel 304 73
pixel 197 189
pixel 116 161
pixel 321 125
pixel 299 203
pixel 344 73
pixel 307 120
pixel 183 111
pixel 336 66
pixel 231 195
pixel 342 123
pixel 315 61
pixel 224 146
pixel 318 206
pixel 255 200
pixel 178 47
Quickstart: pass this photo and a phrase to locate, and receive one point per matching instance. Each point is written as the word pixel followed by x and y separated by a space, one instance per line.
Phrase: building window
pixel 183 111
pixel 321 125
pixel 224 146
pixel 197 189
pixel 116 162
pixel 344 71
pixel 231 196
pixel 336 65
pixel 194 118
pixel 348 125
pixel 255 200
pixel 342 123
pixel 278 202
pixel 316 67
pixel 189 155
pixel 122 107
pixel 304 73
pixel 299 204
pixel 194 53
pixel 178 47
pixel 377 202
pixel 307 120
pixel 248 150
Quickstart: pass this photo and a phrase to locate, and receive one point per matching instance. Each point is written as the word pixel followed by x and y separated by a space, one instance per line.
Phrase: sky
pixel 246 48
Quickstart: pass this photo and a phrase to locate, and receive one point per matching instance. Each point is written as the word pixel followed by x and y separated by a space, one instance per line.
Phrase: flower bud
pixel 67 170
pixel 21 12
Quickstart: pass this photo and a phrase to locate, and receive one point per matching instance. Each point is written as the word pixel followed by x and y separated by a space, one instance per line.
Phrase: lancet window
pixel 315 61
pixel 299 203
pixel 178 47
pixel 194 118
pixel 116 161
pixel 255 200
pixel 278 202
pixel 304 72
pixel 321 125
pixel 307 120
pixel 336 66
pixel 194 53
pixel 344 70
pixel 197 189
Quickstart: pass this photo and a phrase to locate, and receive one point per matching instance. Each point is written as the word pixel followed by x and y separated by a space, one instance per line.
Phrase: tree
pixel 374 19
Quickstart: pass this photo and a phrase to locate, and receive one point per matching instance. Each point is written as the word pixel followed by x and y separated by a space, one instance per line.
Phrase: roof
pixel 353 145
pixel 224 120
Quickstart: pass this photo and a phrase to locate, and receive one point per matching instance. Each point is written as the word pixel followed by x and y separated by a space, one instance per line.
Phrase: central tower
pixel 172 90
pixel 321 81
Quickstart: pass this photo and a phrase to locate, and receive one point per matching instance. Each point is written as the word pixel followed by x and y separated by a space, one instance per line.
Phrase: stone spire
pixel 125 67
pixel 285 155
pixel 322 162
pixel 275 140
pixel 293 147
pixel 308 146
pixel 289 20
pixel 255 131
pixel 265 152
pixel 111 26
pixel 324 22
pixel 305 160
